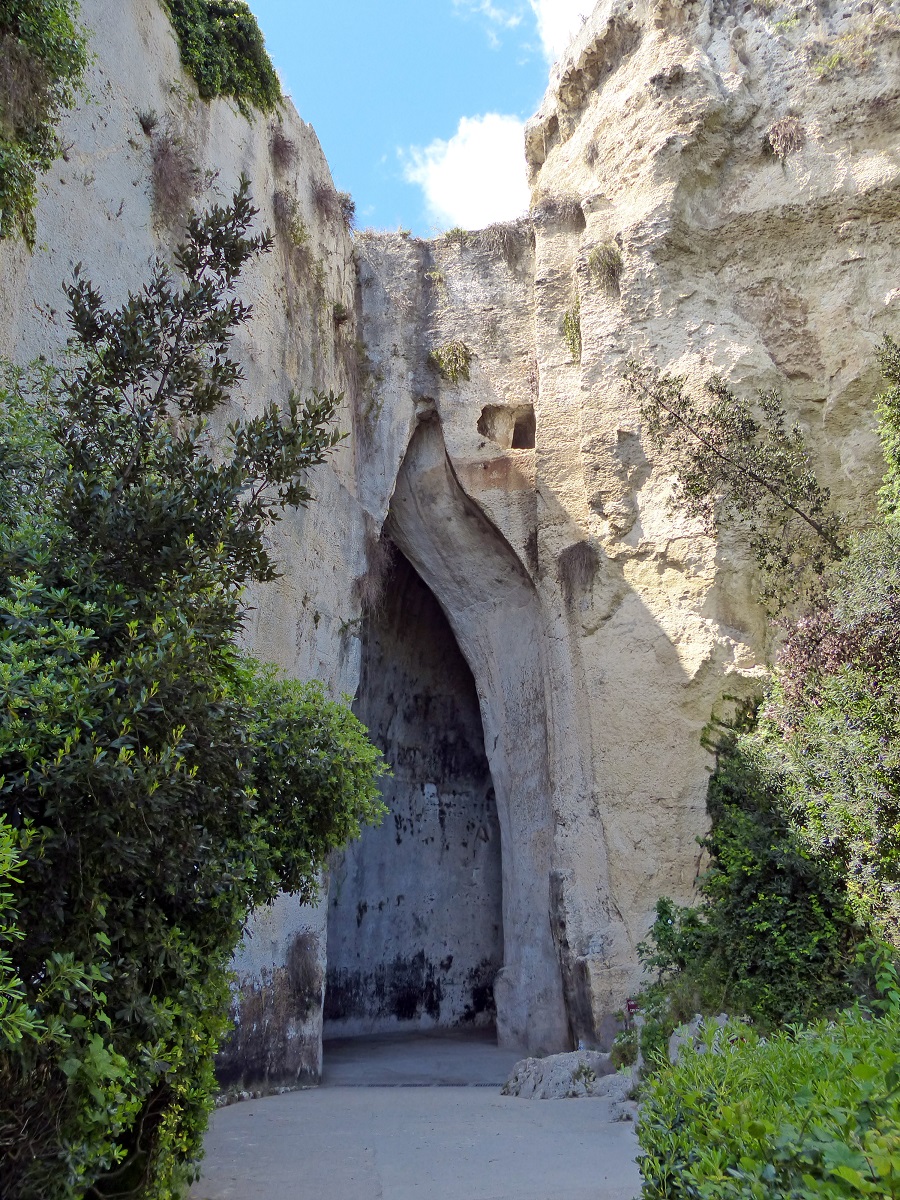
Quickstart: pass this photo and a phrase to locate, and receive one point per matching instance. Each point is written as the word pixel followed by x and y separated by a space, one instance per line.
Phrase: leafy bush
pixel 833 720
pixel 776 932
pixel 223 48
pixel 43 56
pixel 806 1113
pixel 17 1020
pixel 158 785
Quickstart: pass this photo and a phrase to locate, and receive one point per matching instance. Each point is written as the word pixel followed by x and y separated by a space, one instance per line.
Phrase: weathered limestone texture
pixel 715 190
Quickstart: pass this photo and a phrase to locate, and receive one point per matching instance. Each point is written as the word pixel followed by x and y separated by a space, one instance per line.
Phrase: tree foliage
pixel 156 784
pixel 749 466
pixel 43 56
pixel 775 930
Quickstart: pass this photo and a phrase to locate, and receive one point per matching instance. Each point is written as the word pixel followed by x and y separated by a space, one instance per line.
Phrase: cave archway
pixel 492 607
pixel 415 935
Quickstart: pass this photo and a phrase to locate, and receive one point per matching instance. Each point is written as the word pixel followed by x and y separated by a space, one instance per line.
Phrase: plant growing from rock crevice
pixel 176 180
pixel 559 209
pixel 785 137
pixel 288 221
pixel 730 456
pixel 605 264
pixel 451 361
pixel 571 328
pixel 282 149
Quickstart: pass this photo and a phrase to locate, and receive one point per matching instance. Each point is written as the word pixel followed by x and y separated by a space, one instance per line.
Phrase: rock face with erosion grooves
pixel 715 190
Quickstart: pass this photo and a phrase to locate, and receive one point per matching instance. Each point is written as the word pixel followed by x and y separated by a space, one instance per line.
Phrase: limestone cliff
pixel 715 190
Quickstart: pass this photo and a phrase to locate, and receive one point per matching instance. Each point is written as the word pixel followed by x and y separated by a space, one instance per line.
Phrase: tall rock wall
pixel 715 190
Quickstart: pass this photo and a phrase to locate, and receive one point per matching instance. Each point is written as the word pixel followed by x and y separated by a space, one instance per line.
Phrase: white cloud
pixel 558 22
pixel 506 18
pixel 477 176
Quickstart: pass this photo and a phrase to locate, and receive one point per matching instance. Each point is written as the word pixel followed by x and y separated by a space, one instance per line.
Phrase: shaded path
pixel 396 1140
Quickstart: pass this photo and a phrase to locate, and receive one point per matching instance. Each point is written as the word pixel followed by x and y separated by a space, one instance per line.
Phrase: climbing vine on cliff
pixel 155 784
pixel 43 56
pixel 223 48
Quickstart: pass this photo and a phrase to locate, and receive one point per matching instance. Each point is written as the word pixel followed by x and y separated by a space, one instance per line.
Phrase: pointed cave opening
pixel 415 925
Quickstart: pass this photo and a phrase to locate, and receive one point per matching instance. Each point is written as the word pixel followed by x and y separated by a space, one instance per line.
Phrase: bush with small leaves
pixel 457 236
pixel 347 207
pixel 812 1113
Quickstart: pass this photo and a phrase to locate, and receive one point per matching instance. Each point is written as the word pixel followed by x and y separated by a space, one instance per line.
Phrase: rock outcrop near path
pixel 715 190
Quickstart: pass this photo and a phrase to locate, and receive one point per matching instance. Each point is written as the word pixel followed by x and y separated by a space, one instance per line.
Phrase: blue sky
pixel 419 104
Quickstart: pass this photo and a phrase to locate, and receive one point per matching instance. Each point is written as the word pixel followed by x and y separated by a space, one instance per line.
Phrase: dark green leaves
pixel 809 1114
pixel 156 785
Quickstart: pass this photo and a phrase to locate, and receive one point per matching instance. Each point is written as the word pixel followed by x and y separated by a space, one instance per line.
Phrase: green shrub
pixel 624 1049
pixel 43 56
pixel 451 361
pixel 457 236
pixel 17 1019
pixel 776 932
pixel 160 785
pixel 833 722
pixel 223 48
pixel 804 1113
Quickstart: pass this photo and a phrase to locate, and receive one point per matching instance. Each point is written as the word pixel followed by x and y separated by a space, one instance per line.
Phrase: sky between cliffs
pixel 420 105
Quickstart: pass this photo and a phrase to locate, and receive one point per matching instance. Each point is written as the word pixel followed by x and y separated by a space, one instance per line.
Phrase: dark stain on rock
pixel 272 1041
pixel 576 981
pixel 405 989
pixel 480 982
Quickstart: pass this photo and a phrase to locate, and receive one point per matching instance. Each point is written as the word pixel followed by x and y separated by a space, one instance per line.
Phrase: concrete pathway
pixel 394 1134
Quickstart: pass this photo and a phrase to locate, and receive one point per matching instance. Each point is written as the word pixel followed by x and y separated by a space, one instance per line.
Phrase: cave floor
pixel 394 1120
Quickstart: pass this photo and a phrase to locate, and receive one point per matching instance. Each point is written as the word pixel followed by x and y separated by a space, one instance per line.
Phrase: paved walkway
pixel 395 1121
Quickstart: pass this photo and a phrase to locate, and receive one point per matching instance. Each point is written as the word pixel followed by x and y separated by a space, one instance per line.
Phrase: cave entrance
pixel 415 925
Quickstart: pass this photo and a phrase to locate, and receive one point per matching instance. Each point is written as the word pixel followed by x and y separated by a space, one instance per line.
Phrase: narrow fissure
pixel 415 927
